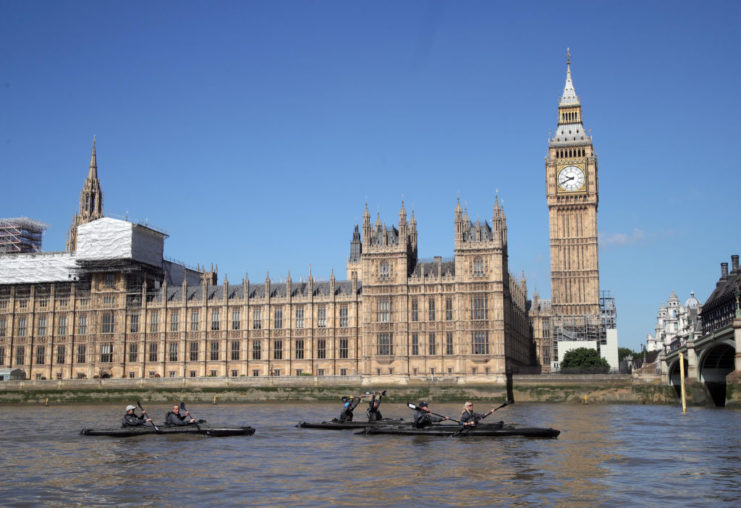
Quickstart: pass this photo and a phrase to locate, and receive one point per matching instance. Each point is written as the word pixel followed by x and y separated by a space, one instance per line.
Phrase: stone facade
pixel 397 315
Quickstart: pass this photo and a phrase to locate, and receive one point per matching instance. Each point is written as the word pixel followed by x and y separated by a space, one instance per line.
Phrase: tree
pixel 623 352
pixel 584 360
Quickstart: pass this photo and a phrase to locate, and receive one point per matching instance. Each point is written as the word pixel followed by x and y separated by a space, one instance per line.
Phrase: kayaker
pixel 349 404
pixel 374 414
pixel 175 418
pixel 423 418
pixel 471 418
pixel 131 419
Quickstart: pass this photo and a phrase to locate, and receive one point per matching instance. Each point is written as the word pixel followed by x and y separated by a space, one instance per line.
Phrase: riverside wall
pixel 557 388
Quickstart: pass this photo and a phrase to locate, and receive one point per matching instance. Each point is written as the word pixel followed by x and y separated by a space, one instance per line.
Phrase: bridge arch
pixel 674 378
pixel 714 364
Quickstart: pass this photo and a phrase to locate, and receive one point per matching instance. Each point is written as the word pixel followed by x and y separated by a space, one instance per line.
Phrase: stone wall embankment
pixel 592 389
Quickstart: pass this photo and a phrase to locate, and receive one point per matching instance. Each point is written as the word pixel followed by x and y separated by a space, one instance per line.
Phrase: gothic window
pixel 449 343
pixel 343 348
pixel 173 352
pixel 415 344
pixel 107 324
pixel 431 309
pixel 20 355
pixel 40 354
pixel 82 326
pixel 385 344
pixel 432 345
pixel 384 310
pixel 174 321
pixel 2 327
pixel 415 310
pixel 278 319
pixel 154 320
pixel 278 350
pixel 384 270
pixel 42 326
pixel 215 319
pixel 321 349
pixel 478 266
pixel 194 320
pixel 479 305
pixel 214 350
pixel 153 352
pixel 257 319
pixel 448 309
pixel 481 343
pixel 343 316
pixel 194 351
pixel 106 352
pixel 21 327
pixel 133 352
pixel 61 353
pixel 256 350
pixel 81 353
pixel 133 323
pixel 235 319
pixel 299 348
pixel 300 317
pixel 321 316
pixel 235 350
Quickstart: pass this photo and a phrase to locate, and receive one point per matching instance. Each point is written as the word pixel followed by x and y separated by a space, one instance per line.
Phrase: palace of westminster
pixel 112 306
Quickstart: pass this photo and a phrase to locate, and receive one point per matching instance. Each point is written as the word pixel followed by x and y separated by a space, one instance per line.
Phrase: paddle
pixel 415 408
pixel 156 429
pixel 510 400
pixel 184 410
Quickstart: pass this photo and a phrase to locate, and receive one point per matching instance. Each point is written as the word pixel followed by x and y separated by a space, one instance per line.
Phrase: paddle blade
pixel 411 406
pixel 182 406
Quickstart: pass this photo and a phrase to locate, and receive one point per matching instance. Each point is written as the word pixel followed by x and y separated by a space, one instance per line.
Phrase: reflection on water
pixel 605 456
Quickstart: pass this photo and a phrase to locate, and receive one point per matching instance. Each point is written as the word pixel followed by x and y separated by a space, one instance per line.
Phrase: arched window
pixel 384 270
pixel 478 266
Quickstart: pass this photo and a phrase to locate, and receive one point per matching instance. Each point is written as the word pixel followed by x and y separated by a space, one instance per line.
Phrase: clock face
pixel 571 178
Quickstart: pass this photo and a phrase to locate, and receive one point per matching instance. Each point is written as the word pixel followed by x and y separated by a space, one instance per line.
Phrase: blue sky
pixel 254 132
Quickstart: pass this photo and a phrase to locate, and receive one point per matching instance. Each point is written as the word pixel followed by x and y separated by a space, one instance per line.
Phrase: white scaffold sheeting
pixel 37 267
pixel 109 238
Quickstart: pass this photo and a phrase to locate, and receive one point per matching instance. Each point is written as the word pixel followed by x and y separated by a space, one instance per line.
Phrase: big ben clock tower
pixel 573 194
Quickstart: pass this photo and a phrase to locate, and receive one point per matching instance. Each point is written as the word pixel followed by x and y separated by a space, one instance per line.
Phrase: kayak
pixel 348 425
pixel 206 430
pixel 456 431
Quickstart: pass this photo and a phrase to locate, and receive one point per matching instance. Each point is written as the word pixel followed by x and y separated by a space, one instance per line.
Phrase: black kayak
pixel 457 431
pixel 348 425
pixel 206 430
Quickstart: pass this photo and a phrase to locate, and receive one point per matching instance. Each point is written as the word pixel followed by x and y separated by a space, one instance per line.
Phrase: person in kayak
pixel 350 403
pixel 131 419
pixel 374 414
pixel 175 418
pixel 423 418
pixel 470 418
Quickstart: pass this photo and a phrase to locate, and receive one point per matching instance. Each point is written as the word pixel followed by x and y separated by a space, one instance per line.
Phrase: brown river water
pixel 606 455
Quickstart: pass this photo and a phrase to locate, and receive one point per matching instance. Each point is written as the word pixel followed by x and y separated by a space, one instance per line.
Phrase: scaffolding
pixel 586 327
pixel 20 234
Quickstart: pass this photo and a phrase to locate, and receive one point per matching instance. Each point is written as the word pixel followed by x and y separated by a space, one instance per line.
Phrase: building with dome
pixel 674 322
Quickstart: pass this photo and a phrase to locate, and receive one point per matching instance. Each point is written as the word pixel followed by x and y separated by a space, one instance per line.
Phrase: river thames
pixel 606 455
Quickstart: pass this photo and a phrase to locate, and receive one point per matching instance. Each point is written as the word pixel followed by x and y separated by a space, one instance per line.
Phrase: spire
pixel 458 210
pixel 93 171
pixel 402 213
pixel 569 97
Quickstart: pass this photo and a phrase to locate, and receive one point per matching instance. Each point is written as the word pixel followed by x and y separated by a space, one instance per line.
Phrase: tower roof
pixel 93 171
pixel 569 97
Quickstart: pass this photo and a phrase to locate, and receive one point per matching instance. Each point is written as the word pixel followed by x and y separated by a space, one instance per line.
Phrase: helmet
pixel 130 407
pixel 422 404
